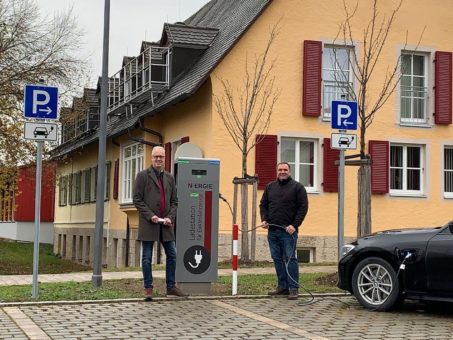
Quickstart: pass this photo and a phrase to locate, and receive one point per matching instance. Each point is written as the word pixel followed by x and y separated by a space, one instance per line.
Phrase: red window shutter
pixel 330 170
pixel 442 90
pixel 311 101
pixel 185 140
pixel 167 157
pixel 115 179
pixel 379 151
pixel 265 159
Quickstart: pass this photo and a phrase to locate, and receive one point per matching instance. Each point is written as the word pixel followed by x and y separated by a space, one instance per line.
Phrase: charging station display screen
pixel 196 172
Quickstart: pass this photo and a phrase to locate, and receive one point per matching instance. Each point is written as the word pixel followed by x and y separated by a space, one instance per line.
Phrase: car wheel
pixel 375 284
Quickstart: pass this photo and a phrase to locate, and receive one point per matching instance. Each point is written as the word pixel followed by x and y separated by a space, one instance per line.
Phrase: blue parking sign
pixel 40 102
pixel 344 115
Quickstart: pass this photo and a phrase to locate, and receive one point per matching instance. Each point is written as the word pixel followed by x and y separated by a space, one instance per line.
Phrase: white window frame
pixel 404 191
pixel 127 177
pixel 295 172
pixel 447 194
pixel 335 94
pixel 426 107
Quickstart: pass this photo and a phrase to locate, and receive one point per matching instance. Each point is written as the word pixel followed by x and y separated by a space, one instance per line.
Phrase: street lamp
pixel 100 190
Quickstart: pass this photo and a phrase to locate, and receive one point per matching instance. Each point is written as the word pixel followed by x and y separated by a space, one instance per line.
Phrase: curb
pixel 160 299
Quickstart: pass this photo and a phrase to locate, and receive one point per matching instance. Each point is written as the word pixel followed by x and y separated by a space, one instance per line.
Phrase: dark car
pixel 389 266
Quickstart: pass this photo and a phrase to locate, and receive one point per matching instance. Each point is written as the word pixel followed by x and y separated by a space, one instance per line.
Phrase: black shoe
pixel 176 292
pixel 293 294
pixel 279 291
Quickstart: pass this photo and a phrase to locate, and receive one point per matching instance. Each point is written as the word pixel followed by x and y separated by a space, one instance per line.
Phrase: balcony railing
pixel 140 78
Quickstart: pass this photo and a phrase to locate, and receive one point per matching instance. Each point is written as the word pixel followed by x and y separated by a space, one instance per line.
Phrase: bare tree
pixel 246 113
pixel 363 67
pixel 32 48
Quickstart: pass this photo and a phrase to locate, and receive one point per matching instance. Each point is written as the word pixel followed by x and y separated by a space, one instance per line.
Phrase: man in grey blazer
pixel 156 202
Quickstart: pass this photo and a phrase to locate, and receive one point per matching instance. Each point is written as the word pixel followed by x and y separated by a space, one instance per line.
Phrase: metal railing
pixel 148 72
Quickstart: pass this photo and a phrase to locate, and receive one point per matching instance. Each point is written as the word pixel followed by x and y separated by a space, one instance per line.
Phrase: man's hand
pixel 167 222
pixel 155 219
pixel 290 229
pixel 264 225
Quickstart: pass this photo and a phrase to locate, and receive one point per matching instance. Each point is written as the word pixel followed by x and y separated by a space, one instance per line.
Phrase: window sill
pixel 127 206
pixel 448 196
pixel 315 192
pixel 415 125
pixel 405 194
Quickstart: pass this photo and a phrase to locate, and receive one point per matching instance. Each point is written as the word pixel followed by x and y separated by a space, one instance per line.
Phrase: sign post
pixel 344 117
pixel 40 103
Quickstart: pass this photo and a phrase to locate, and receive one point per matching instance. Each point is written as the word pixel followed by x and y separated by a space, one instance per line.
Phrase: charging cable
pixel 403 264
pixel 286 262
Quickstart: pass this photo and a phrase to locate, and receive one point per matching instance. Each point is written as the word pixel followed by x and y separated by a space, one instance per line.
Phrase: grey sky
pixel 131 22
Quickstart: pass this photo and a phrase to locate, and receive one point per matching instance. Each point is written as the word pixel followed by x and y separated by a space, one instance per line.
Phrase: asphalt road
pixel 239 318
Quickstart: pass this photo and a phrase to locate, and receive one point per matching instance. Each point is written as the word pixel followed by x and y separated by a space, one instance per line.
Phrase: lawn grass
pixel 133 288
pixel 17 258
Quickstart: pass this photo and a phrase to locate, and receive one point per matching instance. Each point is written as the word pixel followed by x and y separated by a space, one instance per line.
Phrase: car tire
pixel 375 285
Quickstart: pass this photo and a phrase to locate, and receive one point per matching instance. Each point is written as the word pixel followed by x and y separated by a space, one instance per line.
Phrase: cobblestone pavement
pixel 277 318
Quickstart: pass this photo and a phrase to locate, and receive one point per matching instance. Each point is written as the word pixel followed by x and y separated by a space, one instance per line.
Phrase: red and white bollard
pixel 234 289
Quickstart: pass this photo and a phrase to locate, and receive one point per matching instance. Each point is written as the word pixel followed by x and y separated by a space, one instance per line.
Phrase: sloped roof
pixel 232 18
pixel 181 34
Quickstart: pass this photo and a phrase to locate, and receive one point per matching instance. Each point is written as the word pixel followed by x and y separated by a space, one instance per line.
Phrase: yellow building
pixel 166 95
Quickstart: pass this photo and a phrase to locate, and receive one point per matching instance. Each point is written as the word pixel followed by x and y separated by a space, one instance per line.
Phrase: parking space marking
pixel 268 321
pixel 31 330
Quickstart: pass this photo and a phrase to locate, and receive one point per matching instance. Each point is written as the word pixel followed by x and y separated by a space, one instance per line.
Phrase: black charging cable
pixel 286 262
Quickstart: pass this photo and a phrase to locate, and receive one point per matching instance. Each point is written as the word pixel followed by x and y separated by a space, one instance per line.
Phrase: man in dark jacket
pixel 156 201
pixel 283 208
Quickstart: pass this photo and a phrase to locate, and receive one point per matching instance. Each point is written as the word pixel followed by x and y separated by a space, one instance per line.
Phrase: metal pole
pixel 341 203
pixel 100 190
pixel 37 218
pixel 234 287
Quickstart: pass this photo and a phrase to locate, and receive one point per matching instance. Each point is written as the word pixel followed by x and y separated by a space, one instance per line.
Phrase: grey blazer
pixel 147 201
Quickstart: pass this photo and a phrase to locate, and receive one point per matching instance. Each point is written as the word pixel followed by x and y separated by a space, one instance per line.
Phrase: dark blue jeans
pixel 283 251
pixel 170 266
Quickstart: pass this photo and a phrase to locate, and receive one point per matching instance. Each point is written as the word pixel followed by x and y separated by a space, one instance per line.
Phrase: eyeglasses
pixel 158 156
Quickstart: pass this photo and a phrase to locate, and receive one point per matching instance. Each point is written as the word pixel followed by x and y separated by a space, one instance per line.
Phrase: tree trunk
pixel 244 223
pixel 364 198
pixel 253 227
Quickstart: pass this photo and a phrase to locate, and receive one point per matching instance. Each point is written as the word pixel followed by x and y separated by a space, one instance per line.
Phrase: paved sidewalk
pixel 10 280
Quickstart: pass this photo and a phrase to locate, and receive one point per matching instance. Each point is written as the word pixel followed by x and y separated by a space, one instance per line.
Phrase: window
pixel 77 180
pixel 406 169
pixel 448 172
pixel 132 164
pixel 414 90
pixel 63 192
pixel 86 185
pixel 336 75
pixel 301 156
pixel 94 182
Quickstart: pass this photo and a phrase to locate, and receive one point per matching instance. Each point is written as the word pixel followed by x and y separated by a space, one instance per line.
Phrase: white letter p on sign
pixel 344 111
pixel 37 102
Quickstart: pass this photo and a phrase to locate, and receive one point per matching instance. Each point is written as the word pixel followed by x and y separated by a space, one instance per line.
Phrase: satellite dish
pixel 188 150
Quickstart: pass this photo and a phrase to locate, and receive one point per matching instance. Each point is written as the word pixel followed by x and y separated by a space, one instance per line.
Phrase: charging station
pixel 197 222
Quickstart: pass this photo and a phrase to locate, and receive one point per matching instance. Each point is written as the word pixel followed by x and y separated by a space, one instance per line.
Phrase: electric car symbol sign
pixel 344 115
pixel 40 101
pixel 197 259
